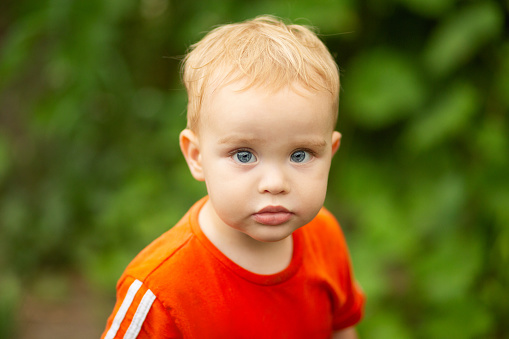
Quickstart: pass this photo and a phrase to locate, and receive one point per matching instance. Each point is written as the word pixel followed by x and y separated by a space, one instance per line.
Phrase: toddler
pixel 259 257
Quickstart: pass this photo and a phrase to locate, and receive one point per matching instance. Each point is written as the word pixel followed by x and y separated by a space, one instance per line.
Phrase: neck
pixel 253 255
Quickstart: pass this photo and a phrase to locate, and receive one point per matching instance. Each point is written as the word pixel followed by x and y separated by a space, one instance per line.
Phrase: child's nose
pixel 274 180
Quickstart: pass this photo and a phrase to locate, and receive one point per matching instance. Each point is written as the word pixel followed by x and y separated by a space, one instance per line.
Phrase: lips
pixel 272 215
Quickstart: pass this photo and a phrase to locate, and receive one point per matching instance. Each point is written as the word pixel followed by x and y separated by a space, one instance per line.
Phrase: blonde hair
pixel 264 52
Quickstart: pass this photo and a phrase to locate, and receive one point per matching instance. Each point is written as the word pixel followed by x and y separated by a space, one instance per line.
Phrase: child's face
pixel 265 158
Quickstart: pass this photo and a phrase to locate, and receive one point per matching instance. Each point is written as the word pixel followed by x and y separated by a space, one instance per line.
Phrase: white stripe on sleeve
pixel 140 315
pixel 119 317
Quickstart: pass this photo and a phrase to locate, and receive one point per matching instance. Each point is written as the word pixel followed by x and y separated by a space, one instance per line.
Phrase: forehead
pixel 241 105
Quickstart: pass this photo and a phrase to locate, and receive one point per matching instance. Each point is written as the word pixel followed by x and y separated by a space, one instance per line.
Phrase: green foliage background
pixel 90 171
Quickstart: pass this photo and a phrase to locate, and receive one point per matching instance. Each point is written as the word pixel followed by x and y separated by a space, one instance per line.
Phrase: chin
pixel 272 235
pixel 270 240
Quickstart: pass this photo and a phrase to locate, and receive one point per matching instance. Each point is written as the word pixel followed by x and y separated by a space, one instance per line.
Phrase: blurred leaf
pixel 58 116
pixel 15 218
pixel 446 273
pixel 455 41
pixel 334 16
pixel 329 16
pixel 5 161
pixel 105 269
pixel 469 320
pixel 503 76
pixel 431 8
pixel 55 223
pixel 448 117
pixel 497 201
pixel 385 325
pixel 435 204
pixel 91 171
pixel 369 268
pixel 18 46
pixel 387 226
pixel 10 301
pixel 491 140
pixel 381 87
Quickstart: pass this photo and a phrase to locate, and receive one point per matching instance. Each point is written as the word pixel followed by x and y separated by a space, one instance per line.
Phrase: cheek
pixel 214 170
pixel 317 177
pixel 227 190
pixel 314 195
pixel 313 187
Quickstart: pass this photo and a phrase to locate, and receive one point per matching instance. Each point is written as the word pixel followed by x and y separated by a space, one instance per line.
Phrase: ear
pixel 336 141
pixel 190 146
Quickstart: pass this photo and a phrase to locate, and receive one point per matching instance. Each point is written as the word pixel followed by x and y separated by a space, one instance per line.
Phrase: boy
pixel 259 257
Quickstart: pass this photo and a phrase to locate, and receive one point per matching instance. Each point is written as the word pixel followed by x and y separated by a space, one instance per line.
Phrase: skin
pixel 265 159
pixel 347 333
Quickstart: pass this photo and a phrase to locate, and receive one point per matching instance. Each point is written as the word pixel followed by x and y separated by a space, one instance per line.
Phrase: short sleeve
pixel 349 305
pixel 138 314
pixel 351 311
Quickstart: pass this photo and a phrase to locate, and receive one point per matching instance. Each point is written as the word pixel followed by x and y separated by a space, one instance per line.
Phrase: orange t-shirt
pixel 182 286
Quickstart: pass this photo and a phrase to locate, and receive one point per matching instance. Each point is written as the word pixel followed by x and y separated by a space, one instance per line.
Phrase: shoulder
pixel 171 262
pixel 324 236
pixel 168 251
pixel 140 310
pixel 159 251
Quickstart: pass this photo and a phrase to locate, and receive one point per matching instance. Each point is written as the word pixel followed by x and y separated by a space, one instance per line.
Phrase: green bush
pixel 90 169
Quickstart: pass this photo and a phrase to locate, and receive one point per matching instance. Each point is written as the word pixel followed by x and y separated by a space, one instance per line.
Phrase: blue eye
pixel 300 156
pixel 244 157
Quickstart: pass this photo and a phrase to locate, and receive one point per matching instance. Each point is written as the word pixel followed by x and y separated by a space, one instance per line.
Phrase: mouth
pixel 272 215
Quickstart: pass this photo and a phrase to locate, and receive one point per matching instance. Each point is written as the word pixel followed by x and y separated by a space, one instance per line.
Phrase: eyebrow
pixel 319 143
pixel 316 143
pixel 238 140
